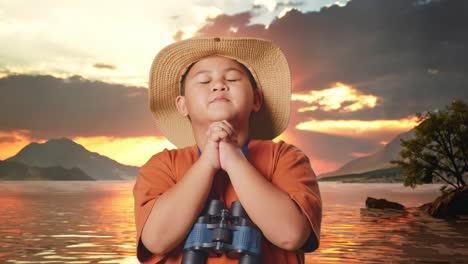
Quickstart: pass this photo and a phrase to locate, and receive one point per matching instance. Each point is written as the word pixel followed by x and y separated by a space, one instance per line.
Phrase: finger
pixel 229 125
pixel 222 134
pixel 234 131
pixel 225 124
pixel 226 128
pixel 214 127
pixel 219 135
pixel 219 131
pixel 219 124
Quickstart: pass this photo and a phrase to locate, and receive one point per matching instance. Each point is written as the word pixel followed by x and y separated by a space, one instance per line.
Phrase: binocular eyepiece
pixel 218 230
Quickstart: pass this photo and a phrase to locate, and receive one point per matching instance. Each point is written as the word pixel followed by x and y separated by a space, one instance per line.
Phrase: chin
pixel 220 117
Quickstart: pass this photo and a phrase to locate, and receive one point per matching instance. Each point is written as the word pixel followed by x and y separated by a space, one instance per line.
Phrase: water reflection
pixel 354 234
pixel 67 222
pixel 81 222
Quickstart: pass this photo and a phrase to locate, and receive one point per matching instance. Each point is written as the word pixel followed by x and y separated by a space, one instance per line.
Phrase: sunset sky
pixel 360 69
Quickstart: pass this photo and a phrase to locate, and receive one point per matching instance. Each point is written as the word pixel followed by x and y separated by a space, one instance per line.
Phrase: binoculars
pixel 218 230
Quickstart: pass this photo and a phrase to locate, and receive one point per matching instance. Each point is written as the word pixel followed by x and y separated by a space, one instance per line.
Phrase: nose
pixel 219 86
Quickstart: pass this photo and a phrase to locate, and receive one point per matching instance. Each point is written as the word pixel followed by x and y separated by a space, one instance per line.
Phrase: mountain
pixel 391 175
pixel 14 171
pixel 378 160
pixel 66 153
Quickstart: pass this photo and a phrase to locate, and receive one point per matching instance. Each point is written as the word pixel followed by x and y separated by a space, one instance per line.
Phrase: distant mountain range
pixel 65 154
pixel 377 161
pixel 388 175
pixel 14 171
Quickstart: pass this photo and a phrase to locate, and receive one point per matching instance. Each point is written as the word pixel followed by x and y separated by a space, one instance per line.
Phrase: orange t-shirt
pixel 284 165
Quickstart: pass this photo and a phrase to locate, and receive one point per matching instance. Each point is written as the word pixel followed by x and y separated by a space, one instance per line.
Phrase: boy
pixel 233 94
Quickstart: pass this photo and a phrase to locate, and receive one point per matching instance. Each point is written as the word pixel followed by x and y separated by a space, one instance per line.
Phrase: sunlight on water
pixel 83 245
pixel 92 222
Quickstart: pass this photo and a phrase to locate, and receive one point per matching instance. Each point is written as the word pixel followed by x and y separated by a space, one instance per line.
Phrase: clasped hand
pixel 222 148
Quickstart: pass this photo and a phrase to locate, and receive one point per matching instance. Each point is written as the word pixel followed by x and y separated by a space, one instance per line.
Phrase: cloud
pixel 359 128
pixel 401 53
pixel 104 66
pixel 341 97
pixel 12 141
pixel 396 59
pixel 393 58
pixel 67 38
pixel 359 154
pixel 50 107
pixel 13 136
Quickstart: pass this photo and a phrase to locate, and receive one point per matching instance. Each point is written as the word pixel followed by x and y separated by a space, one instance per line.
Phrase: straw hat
pixel 266 62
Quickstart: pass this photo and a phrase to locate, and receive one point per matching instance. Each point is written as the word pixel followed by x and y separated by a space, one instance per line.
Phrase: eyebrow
pixel 226 70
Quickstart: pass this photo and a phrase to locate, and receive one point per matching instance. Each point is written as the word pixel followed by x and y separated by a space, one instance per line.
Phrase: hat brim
pixel 266 62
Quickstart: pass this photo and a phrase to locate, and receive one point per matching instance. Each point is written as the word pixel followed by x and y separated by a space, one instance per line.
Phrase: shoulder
pixel 269 147
pixel 270 154
pixel 169 156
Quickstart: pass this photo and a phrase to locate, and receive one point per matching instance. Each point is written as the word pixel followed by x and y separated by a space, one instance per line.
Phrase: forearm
pixel 173 214
pixel 271 209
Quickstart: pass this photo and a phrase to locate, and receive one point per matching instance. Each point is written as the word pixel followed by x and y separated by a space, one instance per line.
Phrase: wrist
pixel 207 165
pixel 234 162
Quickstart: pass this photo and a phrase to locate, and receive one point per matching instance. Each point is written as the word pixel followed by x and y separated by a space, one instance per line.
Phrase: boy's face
pixel 218 88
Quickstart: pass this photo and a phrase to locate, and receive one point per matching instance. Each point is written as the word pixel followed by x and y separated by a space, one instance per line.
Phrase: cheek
pixel 248 94
pixel 244 91
pixel 246 99
pixel 195 99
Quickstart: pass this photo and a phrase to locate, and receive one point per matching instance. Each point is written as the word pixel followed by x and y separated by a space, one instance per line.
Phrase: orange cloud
pixel 358 128
pixel 13 141
pixel 384 142
pixel 360 154
pixel 342 97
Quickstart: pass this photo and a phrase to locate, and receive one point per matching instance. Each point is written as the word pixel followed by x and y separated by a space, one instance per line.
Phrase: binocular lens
pixel 191 257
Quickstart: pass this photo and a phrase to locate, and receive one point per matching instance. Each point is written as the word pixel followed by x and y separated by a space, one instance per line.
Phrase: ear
pixel 258 100
pixel 181 106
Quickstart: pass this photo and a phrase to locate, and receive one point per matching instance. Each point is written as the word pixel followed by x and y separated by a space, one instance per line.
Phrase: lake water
pixel 92 222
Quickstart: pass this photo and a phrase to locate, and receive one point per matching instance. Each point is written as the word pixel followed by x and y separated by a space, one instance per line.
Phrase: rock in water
pixel 449 204
pixel 383 204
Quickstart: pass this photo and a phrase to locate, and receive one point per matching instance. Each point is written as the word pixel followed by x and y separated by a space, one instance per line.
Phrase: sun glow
pixel 13 141
pixel 129 151
pixel 342 97
pixel 210 12
pixel 358 128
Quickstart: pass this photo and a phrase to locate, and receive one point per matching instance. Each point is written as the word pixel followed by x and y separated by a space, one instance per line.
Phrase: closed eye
pixel 232 80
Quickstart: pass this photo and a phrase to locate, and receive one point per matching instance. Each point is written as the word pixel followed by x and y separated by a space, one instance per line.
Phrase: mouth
pixel 219 99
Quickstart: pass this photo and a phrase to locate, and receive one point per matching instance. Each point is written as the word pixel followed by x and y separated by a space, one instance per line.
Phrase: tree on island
pixel 439 149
